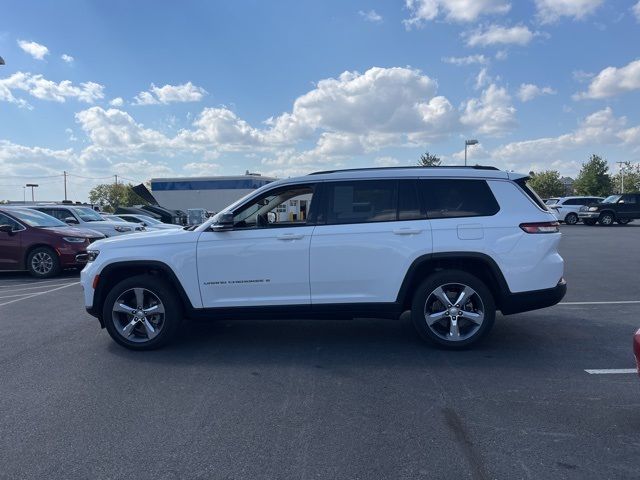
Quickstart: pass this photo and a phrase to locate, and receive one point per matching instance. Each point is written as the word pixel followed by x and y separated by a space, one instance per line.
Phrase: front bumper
pixel 533 300
pixel 593 215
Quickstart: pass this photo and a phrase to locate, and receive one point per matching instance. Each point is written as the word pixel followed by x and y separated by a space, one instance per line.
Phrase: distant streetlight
pixel 32 185
pixel 466 144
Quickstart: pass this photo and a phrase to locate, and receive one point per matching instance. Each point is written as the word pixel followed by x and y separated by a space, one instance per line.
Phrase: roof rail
pixel 474 167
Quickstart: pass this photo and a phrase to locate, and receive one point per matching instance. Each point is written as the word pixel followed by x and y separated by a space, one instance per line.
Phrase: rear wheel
pixel 571 219
pixel 589 221
pixel 606 219
pixel 43 262
pixel 142 313
pixel 453 309
pixel 623 221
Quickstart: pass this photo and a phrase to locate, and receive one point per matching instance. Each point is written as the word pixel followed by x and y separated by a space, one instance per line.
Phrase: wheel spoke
pixel 128 328
pixel 464 295
pixel 434 317
pixel 151 331
pixel 454 333
pixel 439 292
pixel 139 292
pixel 122 308
pixel 475 317
pixel 155 309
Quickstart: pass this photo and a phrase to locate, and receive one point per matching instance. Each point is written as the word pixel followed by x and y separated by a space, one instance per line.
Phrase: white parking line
pixel 16 295
pixel 605 371
pixel 35 282
pixel 36 287
pixel 601 303
pixel 31 295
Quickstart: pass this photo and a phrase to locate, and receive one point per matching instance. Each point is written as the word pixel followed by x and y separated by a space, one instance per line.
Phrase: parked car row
pixel 45 239
pixel 621 209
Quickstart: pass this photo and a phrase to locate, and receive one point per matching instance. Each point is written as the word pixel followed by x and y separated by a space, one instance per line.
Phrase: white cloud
pixel 67 58
pixel 492 114
pixel 613 81
pixel 423 11
pixel 636 11
pixel 482 79
pixel 502 55
pixel 43 89
pixel 117 102
pixel 187 92
pixel 468 60
pixel 371 16
pixel 582 76
pixel 34 49
pixel 499 35
pixel 202 169
pixel 386 162
pixel 550 11
pixel 529 91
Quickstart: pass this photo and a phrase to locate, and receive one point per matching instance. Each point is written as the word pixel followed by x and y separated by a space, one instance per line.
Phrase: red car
pixel 37 242
pixel 636 349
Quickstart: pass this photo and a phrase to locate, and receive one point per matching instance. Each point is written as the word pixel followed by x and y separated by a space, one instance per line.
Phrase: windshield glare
pixel 34 218
pixel 551 201
pixel 611 199
pixel 88 215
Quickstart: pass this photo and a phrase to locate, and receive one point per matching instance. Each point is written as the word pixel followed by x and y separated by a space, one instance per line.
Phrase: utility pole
pixel 621 164
pixel 65 185
pixel 116 176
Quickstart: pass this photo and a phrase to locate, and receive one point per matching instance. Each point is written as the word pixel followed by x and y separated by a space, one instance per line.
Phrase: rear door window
pixel 361 201
pixel 457 198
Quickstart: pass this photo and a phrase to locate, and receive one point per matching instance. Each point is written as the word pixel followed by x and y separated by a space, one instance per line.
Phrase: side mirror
pixel 6 229
pixel 224 222
pixel 71 221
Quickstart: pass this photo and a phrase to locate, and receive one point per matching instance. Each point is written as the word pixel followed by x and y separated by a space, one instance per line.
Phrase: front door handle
pixel 407 231
pixel 290 236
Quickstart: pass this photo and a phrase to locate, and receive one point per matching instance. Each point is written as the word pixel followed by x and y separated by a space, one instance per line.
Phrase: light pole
pixel 32 185
pixel 466 144
pixel 622 165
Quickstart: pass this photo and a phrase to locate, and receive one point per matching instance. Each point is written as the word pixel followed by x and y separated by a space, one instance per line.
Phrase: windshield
pixel 611 199
pixel 34 218
pixel 88 214
pixel 551 201
pixel 149 220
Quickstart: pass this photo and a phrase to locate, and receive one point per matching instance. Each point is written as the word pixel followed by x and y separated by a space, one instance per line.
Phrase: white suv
pixel 566 208
pixel 453 245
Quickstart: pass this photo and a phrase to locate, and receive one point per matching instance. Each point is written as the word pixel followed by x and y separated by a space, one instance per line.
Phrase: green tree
pixel 110 196
pixel 594 178
pixel 429 160
pixel 547 183
pixel 631 178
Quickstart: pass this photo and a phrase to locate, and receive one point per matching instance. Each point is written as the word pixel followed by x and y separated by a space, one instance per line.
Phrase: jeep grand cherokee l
pixel 452 245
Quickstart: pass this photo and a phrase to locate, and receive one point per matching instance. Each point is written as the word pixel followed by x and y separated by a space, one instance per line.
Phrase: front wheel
pixel 142 313
pixel 589 221
pixel 571 219
pixel 43 262
pixel 453 309
pixel 606 219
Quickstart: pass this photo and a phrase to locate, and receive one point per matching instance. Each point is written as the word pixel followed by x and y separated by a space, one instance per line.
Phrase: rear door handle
pixel 290 236
pixel 407 231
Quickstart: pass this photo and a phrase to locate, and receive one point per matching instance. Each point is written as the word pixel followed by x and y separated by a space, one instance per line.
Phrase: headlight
pixel 593 209
pixel 74 239
pixel 92 255
pixel 118 228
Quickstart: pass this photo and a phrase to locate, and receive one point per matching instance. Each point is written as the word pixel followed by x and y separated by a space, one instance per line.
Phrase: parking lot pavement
pixel 329 399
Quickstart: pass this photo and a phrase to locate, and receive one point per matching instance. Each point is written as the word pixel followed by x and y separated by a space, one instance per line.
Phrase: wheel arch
pixel 477 264
pixel 113 273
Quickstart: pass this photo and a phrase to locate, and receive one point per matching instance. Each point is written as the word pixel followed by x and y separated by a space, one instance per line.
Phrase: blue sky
pixel 151 89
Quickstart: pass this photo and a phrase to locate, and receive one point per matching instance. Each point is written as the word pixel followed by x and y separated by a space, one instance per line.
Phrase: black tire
pixel 589 221
pixel 623 221
pixel 43 262
pixel 452 277
pixel 571 219
pixel 170 320
pixel 606 219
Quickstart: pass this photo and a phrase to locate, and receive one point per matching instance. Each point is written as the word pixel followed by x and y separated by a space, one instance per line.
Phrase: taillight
pixel 541 227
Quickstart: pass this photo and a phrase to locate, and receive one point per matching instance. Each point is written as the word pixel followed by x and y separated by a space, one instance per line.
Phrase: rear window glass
pixel 457 198
pixel 361 201
pixel 531 193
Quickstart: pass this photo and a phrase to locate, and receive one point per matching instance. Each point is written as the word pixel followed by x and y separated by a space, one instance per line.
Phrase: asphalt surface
pixel 329 399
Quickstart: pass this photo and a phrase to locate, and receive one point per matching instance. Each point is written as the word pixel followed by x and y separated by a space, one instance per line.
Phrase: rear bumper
pixel 533 300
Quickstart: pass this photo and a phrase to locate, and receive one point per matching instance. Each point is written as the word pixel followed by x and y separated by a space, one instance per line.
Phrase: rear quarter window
pixel 457 198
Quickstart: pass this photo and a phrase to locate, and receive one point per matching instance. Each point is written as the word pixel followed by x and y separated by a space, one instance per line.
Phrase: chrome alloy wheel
pixel 138 315
pixel 454 312
pixel 42 263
